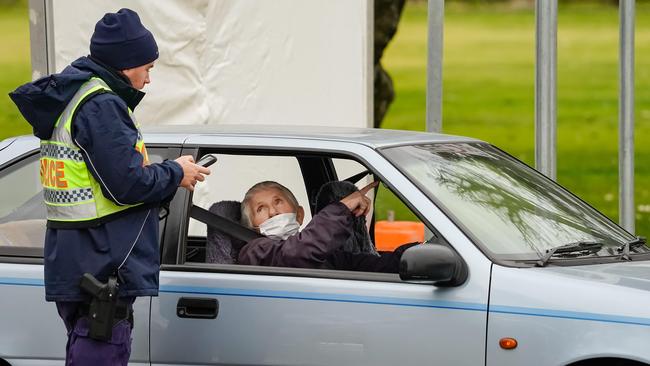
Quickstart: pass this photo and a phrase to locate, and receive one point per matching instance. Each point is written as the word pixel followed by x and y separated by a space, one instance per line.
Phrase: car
pixel 513 268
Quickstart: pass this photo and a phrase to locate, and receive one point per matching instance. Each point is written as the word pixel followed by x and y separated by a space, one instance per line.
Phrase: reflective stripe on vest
pixel 70 191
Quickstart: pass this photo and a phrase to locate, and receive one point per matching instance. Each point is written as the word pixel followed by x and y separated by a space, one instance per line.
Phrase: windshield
pixel 509 208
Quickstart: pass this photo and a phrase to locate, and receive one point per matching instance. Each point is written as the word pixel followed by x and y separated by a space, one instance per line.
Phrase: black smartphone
pixel 207 160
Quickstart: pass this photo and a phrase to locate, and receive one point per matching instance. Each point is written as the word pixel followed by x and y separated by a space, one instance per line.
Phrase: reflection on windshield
pixel 511 209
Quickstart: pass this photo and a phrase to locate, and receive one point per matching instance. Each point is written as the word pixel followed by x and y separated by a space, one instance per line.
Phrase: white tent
pixel 233 61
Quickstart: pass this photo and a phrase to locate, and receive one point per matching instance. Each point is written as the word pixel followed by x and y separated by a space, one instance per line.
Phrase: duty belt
pixel 122 312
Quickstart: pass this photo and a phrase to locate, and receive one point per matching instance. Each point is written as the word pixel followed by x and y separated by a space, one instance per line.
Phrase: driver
pixel 273 210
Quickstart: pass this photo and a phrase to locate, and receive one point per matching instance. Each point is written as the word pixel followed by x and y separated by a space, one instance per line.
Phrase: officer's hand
pixel 357 202
pixel 192 173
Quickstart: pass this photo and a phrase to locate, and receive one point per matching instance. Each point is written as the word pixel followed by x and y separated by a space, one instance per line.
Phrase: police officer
pixel 101 192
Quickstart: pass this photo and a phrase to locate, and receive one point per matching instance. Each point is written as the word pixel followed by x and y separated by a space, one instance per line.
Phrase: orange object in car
pixel 391 234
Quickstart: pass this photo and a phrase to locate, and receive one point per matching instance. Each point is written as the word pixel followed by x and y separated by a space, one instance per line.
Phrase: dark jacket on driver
pixel 319 245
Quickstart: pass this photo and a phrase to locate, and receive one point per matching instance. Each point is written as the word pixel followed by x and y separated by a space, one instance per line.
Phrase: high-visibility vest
pixel 73 198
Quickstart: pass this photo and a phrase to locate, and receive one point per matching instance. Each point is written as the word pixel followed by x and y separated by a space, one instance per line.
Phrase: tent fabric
pixel 303 62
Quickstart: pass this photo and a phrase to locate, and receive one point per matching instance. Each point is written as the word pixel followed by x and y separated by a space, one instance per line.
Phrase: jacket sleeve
pixel 105 133
pixel 387 262
pixel 310 248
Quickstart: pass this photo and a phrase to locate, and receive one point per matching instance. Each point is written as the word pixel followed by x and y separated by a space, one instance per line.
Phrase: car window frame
pixel 175 242
pixel 310 188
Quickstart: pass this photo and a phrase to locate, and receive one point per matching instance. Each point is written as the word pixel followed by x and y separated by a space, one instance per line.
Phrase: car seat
pixel 334 191
pixel 220 247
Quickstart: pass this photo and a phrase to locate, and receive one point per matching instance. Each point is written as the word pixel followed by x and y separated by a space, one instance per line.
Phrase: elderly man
pixel 272 209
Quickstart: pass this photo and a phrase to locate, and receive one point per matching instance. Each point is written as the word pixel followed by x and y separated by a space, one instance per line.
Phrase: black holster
pixel 101 312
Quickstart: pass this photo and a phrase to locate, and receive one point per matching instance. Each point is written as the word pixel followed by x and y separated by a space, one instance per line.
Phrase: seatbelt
pixel 226 226
pixel 357 177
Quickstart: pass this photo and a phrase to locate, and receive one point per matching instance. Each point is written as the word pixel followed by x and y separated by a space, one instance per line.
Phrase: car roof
pixel 373 137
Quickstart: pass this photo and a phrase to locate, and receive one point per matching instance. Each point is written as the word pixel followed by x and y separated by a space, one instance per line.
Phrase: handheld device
pixel 207 160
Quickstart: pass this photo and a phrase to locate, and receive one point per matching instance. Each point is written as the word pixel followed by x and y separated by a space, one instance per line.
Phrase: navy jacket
pixel 320 245
pixel 104 130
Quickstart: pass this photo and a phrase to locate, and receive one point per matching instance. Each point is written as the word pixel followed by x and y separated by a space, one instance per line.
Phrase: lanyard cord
pixel 135 241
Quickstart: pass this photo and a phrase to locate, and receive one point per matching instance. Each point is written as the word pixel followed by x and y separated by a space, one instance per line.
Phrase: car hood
pixel 634 275
pixel 611 292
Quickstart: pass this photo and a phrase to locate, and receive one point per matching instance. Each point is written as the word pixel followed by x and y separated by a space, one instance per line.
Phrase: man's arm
pixel 310 248
pixel 387 262
pixel 106 135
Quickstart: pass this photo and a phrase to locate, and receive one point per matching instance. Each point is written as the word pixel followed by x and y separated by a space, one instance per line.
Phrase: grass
pixel 488 90
pixel 15 66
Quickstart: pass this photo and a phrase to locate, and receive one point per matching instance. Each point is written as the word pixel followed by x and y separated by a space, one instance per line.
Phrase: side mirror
pixel 434 263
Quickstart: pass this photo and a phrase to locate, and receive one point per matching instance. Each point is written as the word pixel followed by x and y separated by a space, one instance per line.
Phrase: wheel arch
pixel 608 361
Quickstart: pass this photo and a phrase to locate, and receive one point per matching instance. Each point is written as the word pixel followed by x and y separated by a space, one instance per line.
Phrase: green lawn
pixel 488 87
pixel 15 67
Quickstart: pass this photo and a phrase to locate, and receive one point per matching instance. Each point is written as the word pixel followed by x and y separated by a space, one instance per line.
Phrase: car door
pixel 225 314
pixel 31 331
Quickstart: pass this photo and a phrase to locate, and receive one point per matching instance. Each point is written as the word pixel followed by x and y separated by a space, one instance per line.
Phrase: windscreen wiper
pixel 576 249
pixel 625 248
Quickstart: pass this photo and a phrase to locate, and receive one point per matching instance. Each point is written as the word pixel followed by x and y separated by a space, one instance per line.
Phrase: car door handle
pixel 197 307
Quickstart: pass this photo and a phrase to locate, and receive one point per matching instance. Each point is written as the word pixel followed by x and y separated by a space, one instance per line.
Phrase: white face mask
pixel 280 226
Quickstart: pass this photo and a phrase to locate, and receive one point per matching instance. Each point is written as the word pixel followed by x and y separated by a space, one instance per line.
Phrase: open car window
pixel 224 189
pixel 304 175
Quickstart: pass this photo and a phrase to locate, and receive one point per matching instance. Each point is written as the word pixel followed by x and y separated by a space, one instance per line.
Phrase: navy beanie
pixel 122 42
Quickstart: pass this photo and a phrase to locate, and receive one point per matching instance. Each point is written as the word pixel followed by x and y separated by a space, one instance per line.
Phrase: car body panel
pixel 374 138
pixel 6 142
pixel 271 320
pixel 575 312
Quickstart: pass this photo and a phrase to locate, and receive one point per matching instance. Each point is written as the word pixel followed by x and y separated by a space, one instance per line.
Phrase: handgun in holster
pixel 101 313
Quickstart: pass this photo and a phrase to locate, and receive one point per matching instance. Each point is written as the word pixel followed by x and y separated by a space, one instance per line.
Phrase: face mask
pixel 280 226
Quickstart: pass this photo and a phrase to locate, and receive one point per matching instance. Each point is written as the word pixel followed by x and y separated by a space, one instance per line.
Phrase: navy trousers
pixel 83 350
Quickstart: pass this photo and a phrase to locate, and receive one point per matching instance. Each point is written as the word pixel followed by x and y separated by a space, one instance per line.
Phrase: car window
pixel 22 212
pixel 509 208
pixel 232 176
